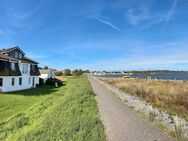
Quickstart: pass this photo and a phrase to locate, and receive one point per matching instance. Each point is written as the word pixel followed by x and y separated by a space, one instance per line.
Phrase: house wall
pixel 50 74
pixel 7 83
pixel 44 77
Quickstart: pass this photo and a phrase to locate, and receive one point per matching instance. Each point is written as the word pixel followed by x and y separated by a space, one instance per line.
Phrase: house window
pixel 13 81
pixel 20 55
pixel 20 81
pixel 25 68
pixel 33 67
pixel 13 66
pixel 16 54
pixel 1 82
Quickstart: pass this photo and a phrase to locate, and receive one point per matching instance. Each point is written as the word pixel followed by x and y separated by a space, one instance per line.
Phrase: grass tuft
pixel 179 134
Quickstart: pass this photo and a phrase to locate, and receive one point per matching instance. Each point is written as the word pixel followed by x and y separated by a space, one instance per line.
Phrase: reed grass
pixel 171 96
pixel 179 134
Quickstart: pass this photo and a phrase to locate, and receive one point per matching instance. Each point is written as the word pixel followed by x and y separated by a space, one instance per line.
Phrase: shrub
pixel 67 72
pixel 59 73
pixel 77 72
pixel 52 81
pixel 41 81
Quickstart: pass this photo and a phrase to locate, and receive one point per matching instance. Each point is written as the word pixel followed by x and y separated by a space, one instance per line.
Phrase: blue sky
pixel 98 34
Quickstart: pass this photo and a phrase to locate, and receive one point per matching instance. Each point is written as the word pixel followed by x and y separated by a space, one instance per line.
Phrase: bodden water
pixel 169 76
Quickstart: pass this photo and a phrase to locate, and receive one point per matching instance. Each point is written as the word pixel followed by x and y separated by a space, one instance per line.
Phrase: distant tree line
pixel 68 72
pixel 140 72
pixel 153 72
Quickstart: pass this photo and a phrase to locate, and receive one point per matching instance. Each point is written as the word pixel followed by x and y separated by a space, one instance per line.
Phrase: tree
pixel 67 72
pixel 77 72
pixel 86 71
pixel 45 67
pixel 59 73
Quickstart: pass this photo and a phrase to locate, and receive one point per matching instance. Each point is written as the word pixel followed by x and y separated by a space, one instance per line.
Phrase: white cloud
pixel 170 13
pixel 152 56
pixel 143 17
pixel 108 23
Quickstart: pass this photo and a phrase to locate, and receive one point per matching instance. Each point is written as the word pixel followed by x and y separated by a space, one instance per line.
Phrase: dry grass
pixel 179 134
pixel 62 78
pixel 171 96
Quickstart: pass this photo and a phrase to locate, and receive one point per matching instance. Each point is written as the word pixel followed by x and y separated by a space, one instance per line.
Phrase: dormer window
pixel 16 54
pixel 20 56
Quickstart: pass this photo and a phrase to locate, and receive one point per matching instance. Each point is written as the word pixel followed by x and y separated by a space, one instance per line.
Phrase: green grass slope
pixel 68 113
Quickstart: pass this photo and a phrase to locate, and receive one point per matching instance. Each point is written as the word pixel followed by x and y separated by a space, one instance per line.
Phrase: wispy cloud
pixel 170 13
pixel 144 17
pixel 139 55
pixel 108 23
pixel 17 17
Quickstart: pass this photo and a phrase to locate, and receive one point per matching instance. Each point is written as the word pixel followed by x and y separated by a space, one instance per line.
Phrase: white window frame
pixel 13 66
pixel 25 70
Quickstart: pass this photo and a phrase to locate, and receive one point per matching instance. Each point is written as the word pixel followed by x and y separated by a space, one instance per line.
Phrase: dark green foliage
pixel 45 67
pixel 41 81
pixel 52 81
pixel 59 73
pixel 86 71
pixel 67 72
pixel 77 72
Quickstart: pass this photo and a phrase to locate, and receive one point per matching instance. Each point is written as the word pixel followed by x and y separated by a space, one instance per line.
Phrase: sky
pixel 98 34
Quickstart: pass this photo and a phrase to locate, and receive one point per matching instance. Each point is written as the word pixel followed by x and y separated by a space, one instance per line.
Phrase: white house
pixel 48 73
pixel 17 72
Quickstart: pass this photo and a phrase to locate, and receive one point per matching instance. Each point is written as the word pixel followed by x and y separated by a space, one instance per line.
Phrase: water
pixel 169 76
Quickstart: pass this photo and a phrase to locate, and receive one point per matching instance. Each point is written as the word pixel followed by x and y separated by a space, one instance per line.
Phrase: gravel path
pixel 121 123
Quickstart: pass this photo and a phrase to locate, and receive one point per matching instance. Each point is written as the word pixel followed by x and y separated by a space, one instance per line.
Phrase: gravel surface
pixel 122 123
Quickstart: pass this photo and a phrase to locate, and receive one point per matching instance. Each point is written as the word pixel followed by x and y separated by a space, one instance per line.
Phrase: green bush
pixel 59 73
pixel 52 81
pixel 41 81
pixel 77 72
pixel 67 72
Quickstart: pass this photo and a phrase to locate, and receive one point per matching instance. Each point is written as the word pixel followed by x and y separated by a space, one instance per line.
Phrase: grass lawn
pixel 68 113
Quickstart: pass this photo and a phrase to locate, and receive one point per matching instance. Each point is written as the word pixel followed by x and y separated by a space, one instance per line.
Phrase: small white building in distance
pixel 46 73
